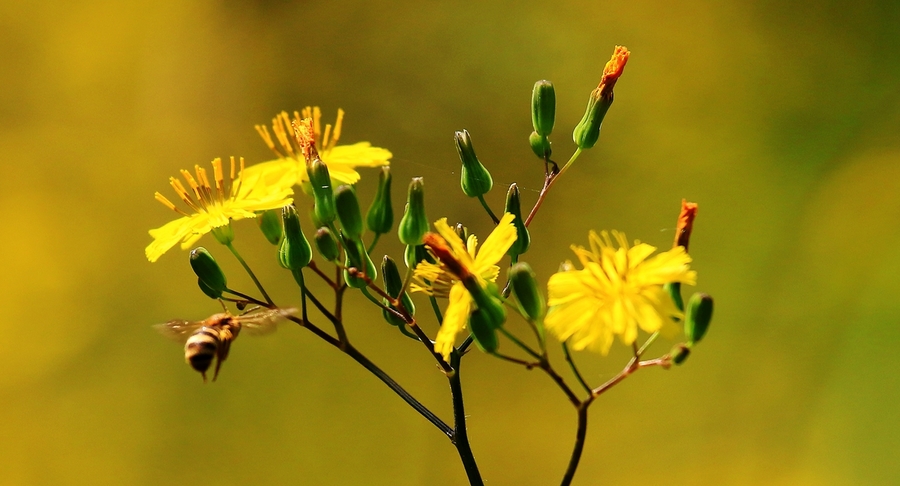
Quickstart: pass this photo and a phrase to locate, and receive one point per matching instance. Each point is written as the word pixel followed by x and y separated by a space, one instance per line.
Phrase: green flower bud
pixel 380 216
pixel 523 238
pixel 699 315
pixel 488 300
pixel 588 129
pixel 674 290
pixel 543 107
pixel 461 231
pixel 348 214
pixel 355 256
pixel 415 254
pixel 320 181
pixel 224 234
pixel 540 145
pixel 475 178
pixel 414 223
pixel 210 277
pixel 524 287
pixel 295 252
pixel 326 244
pixel 483 331
pixel 680 353
pixel 270 224
pixel 393 283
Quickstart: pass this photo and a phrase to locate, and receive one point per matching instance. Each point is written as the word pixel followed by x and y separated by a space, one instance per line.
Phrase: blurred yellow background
pixel 779 118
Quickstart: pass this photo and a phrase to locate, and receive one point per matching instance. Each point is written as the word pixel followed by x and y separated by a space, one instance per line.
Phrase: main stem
pixel 580 436
pixel 460 437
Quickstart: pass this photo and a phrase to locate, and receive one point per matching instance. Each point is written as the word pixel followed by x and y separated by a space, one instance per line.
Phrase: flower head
pixel 210 209
pixel 613 69
pixel 618 291
pixel 290 166
pixel 460 261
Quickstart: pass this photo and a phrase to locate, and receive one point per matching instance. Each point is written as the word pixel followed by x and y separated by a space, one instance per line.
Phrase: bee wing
pixel 178 329
pixel 263 321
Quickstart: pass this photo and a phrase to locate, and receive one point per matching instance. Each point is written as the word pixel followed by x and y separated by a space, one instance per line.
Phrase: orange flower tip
pixel 685 224
pixel 613 69
pixel 442 251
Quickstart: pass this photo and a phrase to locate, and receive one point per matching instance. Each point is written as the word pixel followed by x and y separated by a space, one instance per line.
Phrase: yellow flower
pixel 290 166
pixel 617 291
pixel 212 209
pixel 458 261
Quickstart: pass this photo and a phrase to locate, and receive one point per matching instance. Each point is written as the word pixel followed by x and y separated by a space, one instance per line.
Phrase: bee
pixel 210 339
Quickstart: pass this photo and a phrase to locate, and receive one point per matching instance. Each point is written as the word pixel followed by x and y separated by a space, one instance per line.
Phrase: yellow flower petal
pixel 497 243
pixel 455 318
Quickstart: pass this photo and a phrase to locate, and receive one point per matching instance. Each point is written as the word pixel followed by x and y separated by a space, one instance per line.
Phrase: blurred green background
pixel 779 118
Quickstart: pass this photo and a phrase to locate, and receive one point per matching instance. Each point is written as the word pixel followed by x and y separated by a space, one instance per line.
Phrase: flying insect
pixel 210 339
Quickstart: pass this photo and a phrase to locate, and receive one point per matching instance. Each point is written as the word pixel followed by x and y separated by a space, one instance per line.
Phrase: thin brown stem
pixel 580 437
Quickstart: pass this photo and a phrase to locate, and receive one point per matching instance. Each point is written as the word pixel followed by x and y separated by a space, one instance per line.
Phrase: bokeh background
pixel 779 118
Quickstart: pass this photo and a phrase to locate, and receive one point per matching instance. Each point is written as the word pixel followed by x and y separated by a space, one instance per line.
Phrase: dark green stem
pixel 393 385
pixel 374 242
pixel 488 209
pixel 250 272
pixel 568 355
pixel 460 437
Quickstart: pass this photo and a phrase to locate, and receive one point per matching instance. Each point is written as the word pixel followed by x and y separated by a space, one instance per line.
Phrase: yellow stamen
pixel 205 189
pixel 168 204
pixel 325 138
pixel 337 127
pixel 240 175
pixel 220 178
pixel 263 132
pixel 280 125
pixel 182 193
pixel 191 182
pixel 317 123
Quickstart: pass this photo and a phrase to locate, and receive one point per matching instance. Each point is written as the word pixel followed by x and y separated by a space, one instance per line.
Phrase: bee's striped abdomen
pixel 200 349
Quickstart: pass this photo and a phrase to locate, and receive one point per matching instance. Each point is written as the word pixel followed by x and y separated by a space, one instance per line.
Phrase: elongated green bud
pixel 525 288
pixel 326 244
pixel 680 353
pixel 475 178
pixel 513 206
pixel 674 290
pixel 461 231
pixel 295 252
pixel 699 315
pixel 270 225
pixel 488 300
pixel 415 254
pixel 393 283
pixel 540 145
pixel 414 223
pixel 380 216
pixel 543 107
pixel 356 257
pixel 484 332
pixel 320 181
pixel 587 131
pixel 210 276
pixel 347 207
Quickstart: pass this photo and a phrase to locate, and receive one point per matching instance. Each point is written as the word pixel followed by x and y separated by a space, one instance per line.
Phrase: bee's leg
pixel 203 373
pixel 216 373
pixel 222 353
